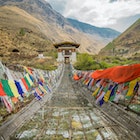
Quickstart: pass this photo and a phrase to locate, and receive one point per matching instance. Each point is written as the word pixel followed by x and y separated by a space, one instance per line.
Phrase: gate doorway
pixel 67 60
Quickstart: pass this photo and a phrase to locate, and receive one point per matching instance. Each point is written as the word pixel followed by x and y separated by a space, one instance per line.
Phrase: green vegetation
pixel 86 62
pixel 22 32
pixel 44 64
pixel 93 62
pixel 52 53
pixel 45 67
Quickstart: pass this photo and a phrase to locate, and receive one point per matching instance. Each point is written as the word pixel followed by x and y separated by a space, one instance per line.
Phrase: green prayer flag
pixel 27 81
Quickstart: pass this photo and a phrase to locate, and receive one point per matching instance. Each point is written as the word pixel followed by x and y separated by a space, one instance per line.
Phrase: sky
pixel 115 14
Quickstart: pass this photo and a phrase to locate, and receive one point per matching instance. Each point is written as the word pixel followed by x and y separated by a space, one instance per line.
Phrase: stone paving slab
pixel 76 123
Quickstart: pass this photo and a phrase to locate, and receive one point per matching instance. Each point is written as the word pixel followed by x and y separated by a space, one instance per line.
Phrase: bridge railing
pixel 21 84
pixel 121 109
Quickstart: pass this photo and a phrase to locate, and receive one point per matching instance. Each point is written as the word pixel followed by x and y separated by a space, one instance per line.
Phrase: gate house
pixel 66 52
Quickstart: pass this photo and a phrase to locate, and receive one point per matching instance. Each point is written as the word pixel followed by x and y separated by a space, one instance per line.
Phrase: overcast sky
pixel 116 14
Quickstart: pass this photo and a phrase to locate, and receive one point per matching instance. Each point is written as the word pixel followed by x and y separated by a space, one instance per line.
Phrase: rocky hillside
pixel 127 44
pixel 21 38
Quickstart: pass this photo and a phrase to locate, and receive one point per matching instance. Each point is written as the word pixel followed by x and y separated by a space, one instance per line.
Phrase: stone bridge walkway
pixel 67 115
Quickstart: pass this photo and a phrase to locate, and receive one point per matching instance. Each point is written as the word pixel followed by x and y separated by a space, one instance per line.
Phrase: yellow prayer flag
pixel 13 88
pixel 96 91
pixel 132 85
pixel 107 95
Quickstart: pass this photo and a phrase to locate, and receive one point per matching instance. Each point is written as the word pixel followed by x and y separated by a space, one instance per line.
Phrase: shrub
pixel 22 32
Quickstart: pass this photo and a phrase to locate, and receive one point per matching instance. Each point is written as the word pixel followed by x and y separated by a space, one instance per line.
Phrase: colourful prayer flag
pixel 2 93
pixel 13 88
pixel 25 84
pixel 7 88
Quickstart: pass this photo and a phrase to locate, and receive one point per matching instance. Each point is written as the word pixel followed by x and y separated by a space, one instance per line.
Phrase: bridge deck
pixel 69 115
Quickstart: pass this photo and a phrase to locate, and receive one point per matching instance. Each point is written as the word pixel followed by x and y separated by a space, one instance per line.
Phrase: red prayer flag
pixel 2 93
pixel 75 77
pixel 25 84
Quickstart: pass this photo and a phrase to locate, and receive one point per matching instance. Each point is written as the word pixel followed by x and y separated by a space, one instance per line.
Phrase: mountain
pixel 38 8
pixel 127 44
pixel 29 26
pixel 87 28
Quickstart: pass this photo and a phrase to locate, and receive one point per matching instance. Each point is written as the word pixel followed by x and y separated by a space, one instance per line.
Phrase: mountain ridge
pixel 87 28
pixel 125 45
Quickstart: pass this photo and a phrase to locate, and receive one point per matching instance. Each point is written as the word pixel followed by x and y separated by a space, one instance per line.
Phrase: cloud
pixel 102 13
pixel 124 23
